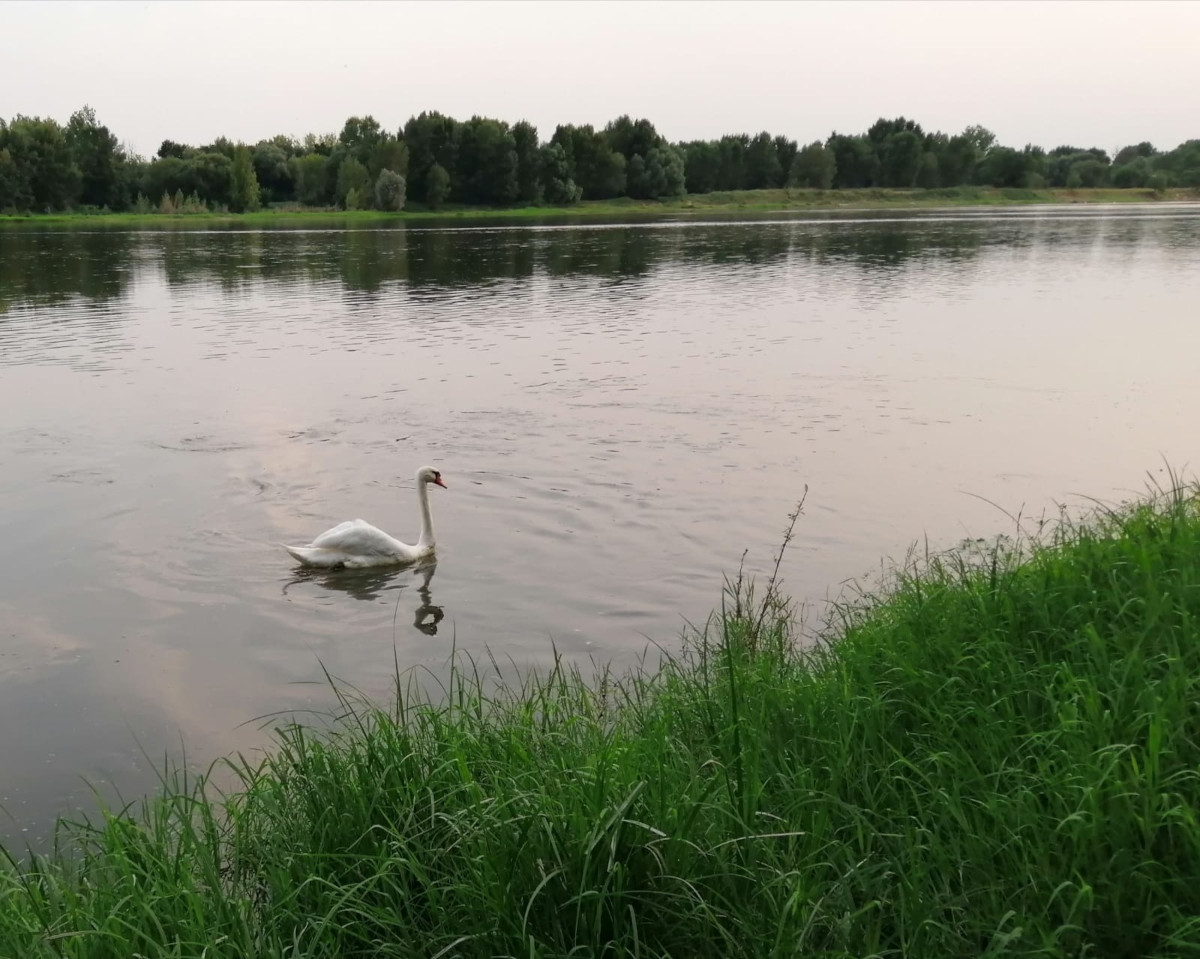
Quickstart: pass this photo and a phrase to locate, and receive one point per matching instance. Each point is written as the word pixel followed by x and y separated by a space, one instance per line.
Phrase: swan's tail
pixel 312 556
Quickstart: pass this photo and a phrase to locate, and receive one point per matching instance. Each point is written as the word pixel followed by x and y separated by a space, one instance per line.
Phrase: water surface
pixel 619 410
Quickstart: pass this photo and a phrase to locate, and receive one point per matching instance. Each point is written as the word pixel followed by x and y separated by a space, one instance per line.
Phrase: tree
pixel 731 173
pixel 360 133
pixel 529 161
pixel 702 165
pixel 1002 167
pixel 855 162
pixel 388 153
pixel 927 174
pixel 432 139
pixel 594 164
pixel 487 160
pixel 981 139
pixel 900 159
pixel 308 173
pixel 352 175
pixel 169 148
pixel 786 150
pixel 814 167
pixel 14 186
pixel 99 159
pixel 632 138
pixel 42 165
pixel 1089 173
pixel 213 175
pixel 556 179
pixel 437 186
pixel 660 174
pixel 1133 173
pixel 389 191
pixel 956 160
pixel 244 193
pixel 882 130
pixel 1130 154
pixel 763 169
pixel 273 172
pixel 1180 166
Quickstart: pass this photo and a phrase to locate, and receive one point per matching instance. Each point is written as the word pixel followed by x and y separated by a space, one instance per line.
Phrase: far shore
pixel 743 201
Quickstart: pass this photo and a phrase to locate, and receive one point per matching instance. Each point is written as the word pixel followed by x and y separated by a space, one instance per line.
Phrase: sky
pixel 1084 73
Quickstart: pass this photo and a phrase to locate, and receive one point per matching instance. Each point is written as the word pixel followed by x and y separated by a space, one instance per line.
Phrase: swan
pixel 356 544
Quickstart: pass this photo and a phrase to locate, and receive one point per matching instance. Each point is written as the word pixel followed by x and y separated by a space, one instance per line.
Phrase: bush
pixel 389 191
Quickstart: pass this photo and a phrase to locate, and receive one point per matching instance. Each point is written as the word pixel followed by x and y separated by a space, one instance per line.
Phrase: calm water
pixel 619 410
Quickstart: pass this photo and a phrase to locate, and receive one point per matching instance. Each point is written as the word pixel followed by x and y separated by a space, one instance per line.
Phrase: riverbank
pixel 999 756
pixel 745 201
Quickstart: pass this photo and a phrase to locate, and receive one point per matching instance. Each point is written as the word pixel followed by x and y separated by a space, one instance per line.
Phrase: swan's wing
pixel 357 538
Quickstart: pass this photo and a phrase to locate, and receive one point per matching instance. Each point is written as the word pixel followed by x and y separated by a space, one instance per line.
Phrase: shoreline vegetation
pixel 998 754
pixel 434 162
pixel 750 202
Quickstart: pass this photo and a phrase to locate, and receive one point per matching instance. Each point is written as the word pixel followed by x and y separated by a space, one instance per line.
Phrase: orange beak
pixel 438 481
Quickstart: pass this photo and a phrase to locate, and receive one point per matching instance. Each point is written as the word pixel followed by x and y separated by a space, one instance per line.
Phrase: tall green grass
pixel 731 202
pixel 996 756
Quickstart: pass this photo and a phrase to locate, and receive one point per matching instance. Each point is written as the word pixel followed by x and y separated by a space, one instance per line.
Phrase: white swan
pixel 356 544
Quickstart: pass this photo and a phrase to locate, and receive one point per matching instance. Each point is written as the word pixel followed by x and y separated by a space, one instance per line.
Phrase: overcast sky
pixel 1084 73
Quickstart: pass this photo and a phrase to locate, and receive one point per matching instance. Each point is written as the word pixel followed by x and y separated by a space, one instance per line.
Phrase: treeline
pixel 434 160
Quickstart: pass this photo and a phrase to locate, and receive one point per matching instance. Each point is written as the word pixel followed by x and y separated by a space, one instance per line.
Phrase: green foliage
pixel 99 158
pixel 1182 165
pixel 1002 167
pixel 1129 154
pixel 45 167
pixel 1090 173
pixel 731 171
pixel 40 172
pixel 14 188
pixel 593 163
pixel 631 138
pixel 437 186
pixel 659 174
pixel 212 175
pixel 764 171
pixel 980 139
pixel 786 150
pixel 487 162
pixel 900 159
pixel 308 173
pixel 389 191
pixel 559 188
pixel 432 139
pixel 389 153
pixel 998 755
pixel 814 167
pixel 169 148
pixel 702 166
pixel 927 173
pixel 956 159
pixel 244 194
pixel 273 172
pixel 855 162
pixel 529 162
pixel 352 175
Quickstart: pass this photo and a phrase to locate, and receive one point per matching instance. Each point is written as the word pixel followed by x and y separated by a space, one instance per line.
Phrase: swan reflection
pixel 370 584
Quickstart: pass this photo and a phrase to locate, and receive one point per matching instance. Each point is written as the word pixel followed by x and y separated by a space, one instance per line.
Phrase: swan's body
pixel 356 544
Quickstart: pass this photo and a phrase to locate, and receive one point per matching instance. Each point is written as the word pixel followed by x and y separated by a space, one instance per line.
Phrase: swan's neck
pixel 426 539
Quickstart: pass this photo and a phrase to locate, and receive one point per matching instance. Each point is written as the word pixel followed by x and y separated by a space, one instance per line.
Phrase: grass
pixel 995 756
pixel 742 201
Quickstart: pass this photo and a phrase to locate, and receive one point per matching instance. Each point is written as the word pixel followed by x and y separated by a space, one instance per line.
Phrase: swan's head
pixel 427 474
